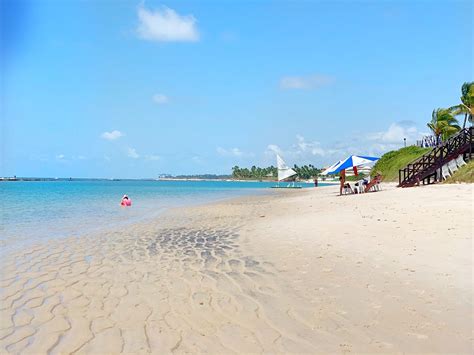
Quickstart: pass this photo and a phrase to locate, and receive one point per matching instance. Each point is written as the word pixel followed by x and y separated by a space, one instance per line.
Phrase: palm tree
pixel 466 107
pixel 443 124
pixel 236 172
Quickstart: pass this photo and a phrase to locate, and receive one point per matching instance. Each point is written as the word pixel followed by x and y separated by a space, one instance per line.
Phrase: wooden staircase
pixel 427 169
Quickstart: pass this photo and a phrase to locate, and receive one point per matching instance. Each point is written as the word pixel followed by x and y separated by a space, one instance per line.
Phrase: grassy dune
pixel 391 162
pixel 464 174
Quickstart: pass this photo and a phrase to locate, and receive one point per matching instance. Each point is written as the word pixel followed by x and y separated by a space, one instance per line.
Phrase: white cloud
pixel 304 151
pixel 166 25
pixel 395 133
pixel 233 152
pixel 132 153
pixel 378 143
pixel 305 82
pixel 60 156
pixel 160 99
pixel 113 135
pixel 301 150
pixel 273 149
pixel 314 148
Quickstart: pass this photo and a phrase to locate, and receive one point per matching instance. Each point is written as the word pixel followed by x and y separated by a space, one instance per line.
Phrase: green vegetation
pixel 466 107
pixel 271 172
pixel 391 162
pixel 464 174
pixel 306 171
pixel 254 173
pixel 443 124
pixel 355 178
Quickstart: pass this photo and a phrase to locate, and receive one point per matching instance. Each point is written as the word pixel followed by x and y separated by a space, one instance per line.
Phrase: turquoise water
pixel 45 209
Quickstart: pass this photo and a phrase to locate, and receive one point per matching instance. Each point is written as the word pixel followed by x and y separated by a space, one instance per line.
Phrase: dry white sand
pixel 298 271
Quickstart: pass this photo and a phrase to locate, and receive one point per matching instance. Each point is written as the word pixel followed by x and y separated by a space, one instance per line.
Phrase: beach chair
pixel 460 161
pixel 452 166
pixel 347 189
pixel 376 187
pixel 445 171
pixel 360 187
pixel 374 184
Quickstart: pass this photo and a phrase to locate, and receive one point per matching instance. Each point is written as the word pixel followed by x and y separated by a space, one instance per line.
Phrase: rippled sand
pixel 299 271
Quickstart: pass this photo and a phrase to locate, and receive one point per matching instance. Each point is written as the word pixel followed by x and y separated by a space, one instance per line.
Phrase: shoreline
pixel 291 271
pixel 145 210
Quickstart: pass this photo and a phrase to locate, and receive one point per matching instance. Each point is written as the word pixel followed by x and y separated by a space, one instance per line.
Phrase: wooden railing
pixel 427 168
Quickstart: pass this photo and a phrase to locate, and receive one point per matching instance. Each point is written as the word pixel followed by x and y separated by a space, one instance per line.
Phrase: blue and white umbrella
pixel 331 168
pixel 350 162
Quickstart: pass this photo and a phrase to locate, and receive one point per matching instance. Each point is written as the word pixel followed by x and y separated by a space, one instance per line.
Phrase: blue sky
pixel 135 89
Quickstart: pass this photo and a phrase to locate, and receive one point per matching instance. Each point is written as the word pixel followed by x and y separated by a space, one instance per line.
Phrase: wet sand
pixel 297 271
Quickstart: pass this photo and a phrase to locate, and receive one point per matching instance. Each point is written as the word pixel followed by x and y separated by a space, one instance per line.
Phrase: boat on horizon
pixel 284 173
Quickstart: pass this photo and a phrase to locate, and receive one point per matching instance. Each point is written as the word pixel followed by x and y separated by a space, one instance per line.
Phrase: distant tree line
pixel 271 172
pixel 306 171
pixel 254 173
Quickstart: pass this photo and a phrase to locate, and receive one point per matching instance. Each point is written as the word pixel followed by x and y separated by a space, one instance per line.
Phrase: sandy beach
pixel 290 272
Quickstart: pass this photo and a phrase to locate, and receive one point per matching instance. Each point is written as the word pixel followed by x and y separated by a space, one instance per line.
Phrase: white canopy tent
pixel 350 162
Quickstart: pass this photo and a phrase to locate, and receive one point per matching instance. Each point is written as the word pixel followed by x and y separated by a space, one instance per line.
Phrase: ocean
pixel 35 210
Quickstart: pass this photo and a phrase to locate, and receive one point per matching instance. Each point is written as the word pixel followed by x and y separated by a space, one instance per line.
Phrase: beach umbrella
pixel 331 168
pixel 350 162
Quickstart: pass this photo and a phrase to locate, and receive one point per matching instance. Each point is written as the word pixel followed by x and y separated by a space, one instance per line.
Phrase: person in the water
pixel 126 201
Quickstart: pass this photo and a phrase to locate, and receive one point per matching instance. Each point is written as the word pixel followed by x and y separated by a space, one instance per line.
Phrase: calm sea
pixel 48 209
